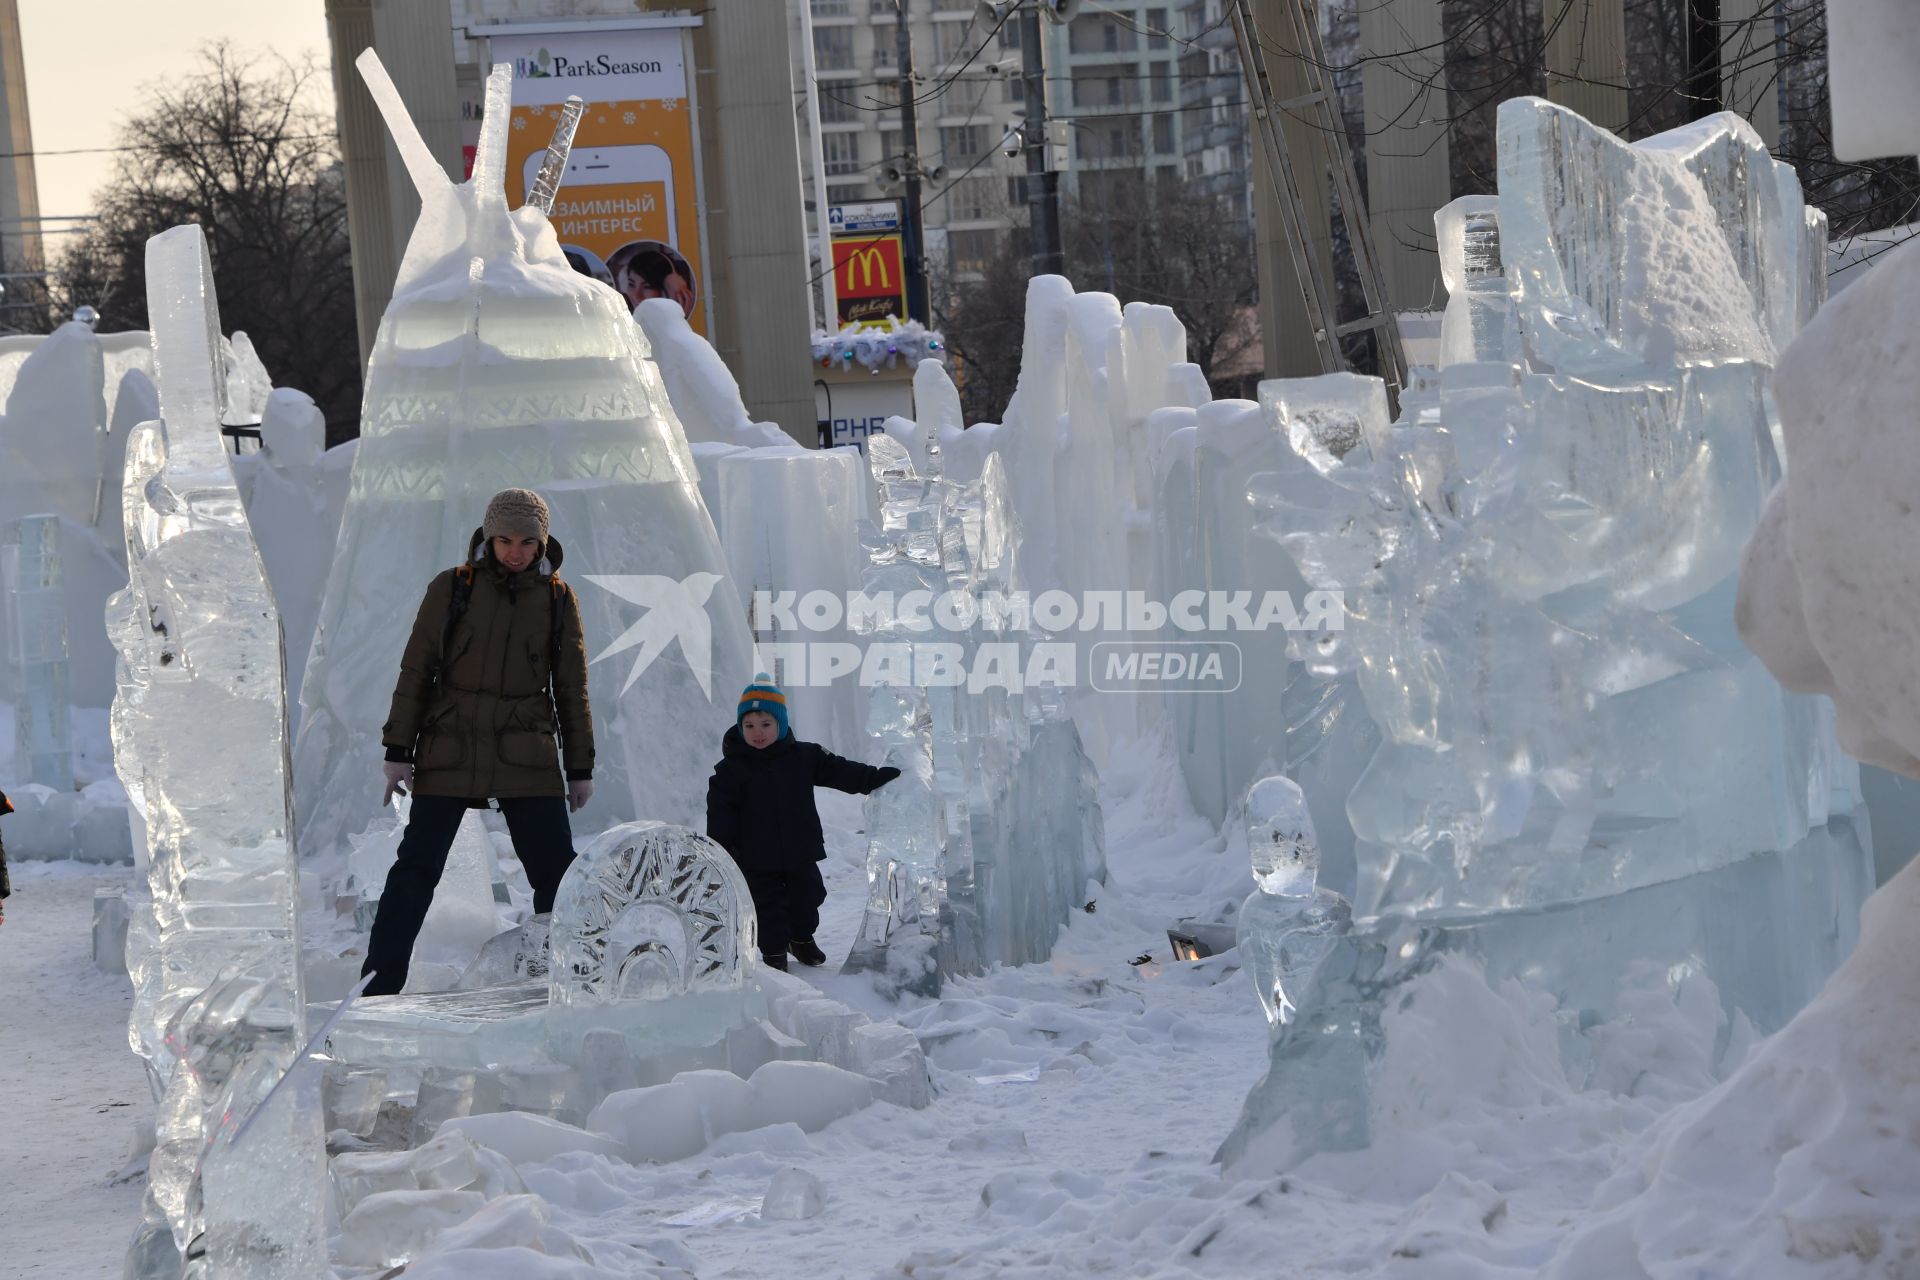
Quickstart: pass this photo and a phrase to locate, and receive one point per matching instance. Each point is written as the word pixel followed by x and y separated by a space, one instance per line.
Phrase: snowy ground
pixel 1079 1104
pixel 72 1090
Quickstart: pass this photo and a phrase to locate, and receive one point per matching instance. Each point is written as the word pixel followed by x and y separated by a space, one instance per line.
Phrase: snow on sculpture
pixel 199 737
pixel 1581 766
pixel 497 365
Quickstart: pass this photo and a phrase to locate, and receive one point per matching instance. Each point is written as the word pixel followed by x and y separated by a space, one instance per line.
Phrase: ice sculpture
pixel 702 391
pixel 645 966
pixel 906 824
pixel 199 738
pixel 1320 986
pixel 978 851
pixel 650 910
pixel 497 365
pixel 1581 766
pixel 1279 719
pixel 553 165
pixel 1288 925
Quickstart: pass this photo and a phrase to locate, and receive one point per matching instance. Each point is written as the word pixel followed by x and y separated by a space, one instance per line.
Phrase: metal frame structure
pixel 1322 103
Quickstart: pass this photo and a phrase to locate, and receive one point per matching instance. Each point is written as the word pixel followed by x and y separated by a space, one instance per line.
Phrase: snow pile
pixel 459 1204
pixel 1829 596
pixel 1805 1158
pixel 675 1120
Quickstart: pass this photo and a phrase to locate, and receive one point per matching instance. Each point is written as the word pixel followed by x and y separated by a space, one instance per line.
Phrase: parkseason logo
pixel 1012 640
pixel 545 65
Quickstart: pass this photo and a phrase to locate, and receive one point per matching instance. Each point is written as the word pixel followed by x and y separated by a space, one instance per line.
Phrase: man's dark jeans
pixel 542 839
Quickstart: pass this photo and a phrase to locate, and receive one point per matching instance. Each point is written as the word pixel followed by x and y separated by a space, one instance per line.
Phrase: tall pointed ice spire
pixel 499 366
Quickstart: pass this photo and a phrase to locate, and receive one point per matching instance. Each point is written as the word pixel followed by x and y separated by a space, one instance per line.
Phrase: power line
pixel 199 142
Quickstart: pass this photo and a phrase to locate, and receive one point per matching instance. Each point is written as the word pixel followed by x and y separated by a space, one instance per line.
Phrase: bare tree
pixel 1167 240
pixel 983 315
pixel 245 149
pixel 24 304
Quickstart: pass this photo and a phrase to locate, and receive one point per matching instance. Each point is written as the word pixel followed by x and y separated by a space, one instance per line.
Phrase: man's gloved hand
pixel 578 793
pixel 399 780
pixel 887 774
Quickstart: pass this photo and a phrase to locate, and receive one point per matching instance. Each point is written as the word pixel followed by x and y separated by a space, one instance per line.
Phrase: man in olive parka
pixel 496 665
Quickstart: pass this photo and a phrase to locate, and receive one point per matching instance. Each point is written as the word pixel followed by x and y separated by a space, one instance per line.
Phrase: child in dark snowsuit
pixel 760 810
pixel 6 885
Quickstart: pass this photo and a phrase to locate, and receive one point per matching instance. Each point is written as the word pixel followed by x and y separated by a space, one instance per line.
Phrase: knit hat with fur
pixel 516 513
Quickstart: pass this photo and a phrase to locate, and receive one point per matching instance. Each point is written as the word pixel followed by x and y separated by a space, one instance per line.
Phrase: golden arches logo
pixel 868 260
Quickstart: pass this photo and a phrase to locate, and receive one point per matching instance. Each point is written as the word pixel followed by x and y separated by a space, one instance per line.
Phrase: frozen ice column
pixel 498 365
pixel 39 615
pixel 200 736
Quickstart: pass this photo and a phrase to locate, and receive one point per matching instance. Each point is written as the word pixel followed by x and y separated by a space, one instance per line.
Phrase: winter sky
pixel 89 66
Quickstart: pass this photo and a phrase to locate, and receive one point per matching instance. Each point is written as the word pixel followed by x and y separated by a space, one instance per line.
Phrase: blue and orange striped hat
pixel 764 695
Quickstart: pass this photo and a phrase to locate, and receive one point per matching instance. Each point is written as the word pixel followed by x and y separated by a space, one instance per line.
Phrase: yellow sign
pixel 628 207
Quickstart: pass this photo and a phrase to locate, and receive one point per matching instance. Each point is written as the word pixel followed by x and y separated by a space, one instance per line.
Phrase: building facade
pixel 1116 95
pixel 968 96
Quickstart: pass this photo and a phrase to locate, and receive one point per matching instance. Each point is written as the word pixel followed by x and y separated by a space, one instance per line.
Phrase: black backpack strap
pixel 457 602
pixel 556 623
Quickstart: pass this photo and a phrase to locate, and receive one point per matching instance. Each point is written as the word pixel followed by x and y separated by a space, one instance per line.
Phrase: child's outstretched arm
pixel 842 774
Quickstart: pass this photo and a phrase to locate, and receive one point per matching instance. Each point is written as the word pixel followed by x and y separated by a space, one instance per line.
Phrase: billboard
pixel 628 211
pixel 869 267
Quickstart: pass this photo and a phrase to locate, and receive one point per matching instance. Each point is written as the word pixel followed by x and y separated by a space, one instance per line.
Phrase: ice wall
pixel 1079 443
pixel 200 743
pixel 496 365
pixel 1582 767
pixel 787 518
pixel 980 849
pixel 295 489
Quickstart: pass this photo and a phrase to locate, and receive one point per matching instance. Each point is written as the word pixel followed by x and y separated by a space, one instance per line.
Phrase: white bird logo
pixel 675 610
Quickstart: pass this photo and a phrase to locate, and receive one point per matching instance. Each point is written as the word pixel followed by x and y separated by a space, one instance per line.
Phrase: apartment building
pixel 1114 87
pixel 1213 105
pixel 969 95
pixel 1114 78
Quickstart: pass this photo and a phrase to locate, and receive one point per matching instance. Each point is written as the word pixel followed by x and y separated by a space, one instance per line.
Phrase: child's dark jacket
pixel 760 802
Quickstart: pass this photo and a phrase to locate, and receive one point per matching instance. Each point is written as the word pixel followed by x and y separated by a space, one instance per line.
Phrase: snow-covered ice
pixel 1079 1102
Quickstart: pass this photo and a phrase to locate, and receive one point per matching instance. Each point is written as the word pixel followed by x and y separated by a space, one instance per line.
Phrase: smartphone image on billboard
pixel 640 258
pixel 642 168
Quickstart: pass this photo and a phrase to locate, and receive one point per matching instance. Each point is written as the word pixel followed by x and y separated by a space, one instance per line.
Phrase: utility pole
pixel 1043 184
pixel 816 156
pixel 913 238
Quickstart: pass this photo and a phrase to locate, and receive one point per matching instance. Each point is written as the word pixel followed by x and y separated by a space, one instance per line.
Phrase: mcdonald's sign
pixel 869 279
